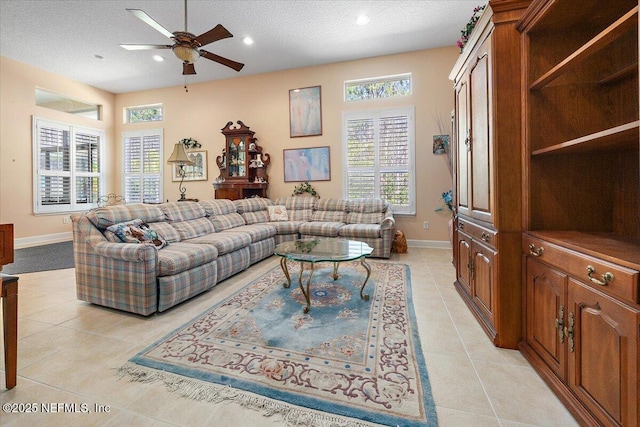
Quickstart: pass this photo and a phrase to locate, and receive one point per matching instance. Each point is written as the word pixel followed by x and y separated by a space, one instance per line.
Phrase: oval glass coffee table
pixel 322 250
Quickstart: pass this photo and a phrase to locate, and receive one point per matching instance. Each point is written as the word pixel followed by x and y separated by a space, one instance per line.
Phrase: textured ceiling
pixel 64 36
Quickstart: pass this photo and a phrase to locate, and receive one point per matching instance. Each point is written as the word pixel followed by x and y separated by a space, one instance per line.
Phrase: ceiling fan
pixel 186 46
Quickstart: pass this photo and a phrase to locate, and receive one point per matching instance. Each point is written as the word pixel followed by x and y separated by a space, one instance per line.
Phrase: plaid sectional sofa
pixel 205 242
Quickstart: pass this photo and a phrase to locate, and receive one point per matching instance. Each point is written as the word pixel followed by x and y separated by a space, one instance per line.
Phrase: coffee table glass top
pixel 319 250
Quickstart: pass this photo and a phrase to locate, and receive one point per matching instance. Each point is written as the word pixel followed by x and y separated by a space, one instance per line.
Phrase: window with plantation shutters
pixel 67 164
pixel 379 152
pixel 142 167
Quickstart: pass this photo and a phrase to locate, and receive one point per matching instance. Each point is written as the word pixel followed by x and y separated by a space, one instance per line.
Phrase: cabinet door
pixel 603 355
pixel 463 153
pixel 480 88
pixel 483 291
pixel 546 314
pixel 463 261
pixel 237 157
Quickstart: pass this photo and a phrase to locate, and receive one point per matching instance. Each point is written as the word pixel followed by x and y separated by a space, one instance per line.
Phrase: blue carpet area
pixel 56 256
pixel 347 357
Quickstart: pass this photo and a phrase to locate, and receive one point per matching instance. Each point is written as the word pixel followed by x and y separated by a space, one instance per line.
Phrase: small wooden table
pixel 322 250
pixel 9 285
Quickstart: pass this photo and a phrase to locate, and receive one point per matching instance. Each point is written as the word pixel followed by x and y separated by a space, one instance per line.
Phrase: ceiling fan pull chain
pixel 185 84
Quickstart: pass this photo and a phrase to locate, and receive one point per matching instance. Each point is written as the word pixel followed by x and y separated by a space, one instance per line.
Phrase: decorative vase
pixel 259 162
pixel 450 224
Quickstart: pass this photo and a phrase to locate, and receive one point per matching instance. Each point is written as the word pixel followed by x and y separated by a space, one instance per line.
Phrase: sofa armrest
pixel 135 252
pixel 389 223
pixel 118 275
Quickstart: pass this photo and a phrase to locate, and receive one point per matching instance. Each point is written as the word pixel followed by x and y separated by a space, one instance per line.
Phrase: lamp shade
pixel 179 155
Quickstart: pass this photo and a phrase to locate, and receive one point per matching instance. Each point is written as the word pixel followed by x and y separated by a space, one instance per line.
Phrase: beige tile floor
pixel 69 351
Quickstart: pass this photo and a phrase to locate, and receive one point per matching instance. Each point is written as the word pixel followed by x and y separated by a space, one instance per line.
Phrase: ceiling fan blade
pixel 142 15
pixel 220 60
pixel 188 69
pixel 215 34
pixel 145 46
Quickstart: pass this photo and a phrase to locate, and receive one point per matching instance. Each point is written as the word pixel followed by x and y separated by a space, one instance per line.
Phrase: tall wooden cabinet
pixel 243 165
pixel 487 172
pixel 581 193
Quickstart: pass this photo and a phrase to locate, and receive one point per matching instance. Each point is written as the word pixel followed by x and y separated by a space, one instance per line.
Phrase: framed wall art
pixel 305 112
pixel 307 164
pixel 440 144
pixel 195 172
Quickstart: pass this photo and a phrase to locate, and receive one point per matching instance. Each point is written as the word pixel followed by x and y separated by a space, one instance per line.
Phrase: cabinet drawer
pixel 609 278
pixel 479 233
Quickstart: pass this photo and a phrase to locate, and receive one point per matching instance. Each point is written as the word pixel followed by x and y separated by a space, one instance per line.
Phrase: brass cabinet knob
pixel 606 277
pixel 535 252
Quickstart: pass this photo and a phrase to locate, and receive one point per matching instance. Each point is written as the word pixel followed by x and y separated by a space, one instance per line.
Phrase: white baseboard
pixel 433 244
pixel 28 242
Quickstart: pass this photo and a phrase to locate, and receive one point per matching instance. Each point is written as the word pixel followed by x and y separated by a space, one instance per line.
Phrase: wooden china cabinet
pixel 581 193
pixel 487 172
pixel 243 165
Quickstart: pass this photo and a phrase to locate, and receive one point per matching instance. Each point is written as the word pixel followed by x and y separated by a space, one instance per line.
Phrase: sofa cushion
pixel 193 228
pixel 320 228
pixel 224 241
pixel 366 211
pixel 166 230
pixel 287 227
pixel 257 232
pixel 330 210
pixel 226 222
pixel 299 208
pixel 182 211
pixel 222 214
pixel 253 210
pixel 364 218
pixel 110 215
pixel 367 205
pixel 278 213
pixel 218 207
pixel 360 231
pixel 180 256
pixel 137 231
pixel 122 230
pixel 188 218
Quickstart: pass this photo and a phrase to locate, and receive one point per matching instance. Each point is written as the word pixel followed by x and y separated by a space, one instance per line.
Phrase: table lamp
pixel 180 157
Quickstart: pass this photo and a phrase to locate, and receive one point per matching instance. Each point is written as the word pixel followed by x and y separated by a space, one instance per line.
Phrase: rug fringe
pixel 293 416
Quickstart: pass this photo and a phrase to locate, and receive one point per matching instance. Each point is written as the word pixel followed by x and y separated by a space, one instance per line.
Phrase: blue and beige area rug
pixel 348 362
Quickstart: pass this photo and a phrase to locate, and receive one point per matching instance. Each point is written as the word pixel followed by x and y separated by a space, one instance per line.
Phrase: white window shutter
pixel 67 166
pixel 379 147
pixel 142 157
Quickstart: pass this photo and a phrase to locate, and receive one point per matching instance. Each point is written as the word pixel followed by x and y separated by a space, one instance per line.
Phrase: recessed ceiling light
pixel 247 40
pixel 158 58
pixel 100 57
pixel 362 20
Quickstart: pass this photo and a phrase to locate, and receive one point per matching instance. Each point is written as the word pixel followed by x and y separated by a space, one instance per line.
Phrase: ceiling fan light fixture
pixel 186 53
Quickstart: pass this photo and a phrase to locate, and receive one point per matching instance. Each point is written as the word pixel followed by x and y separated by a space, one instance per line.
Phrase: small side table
pixel 10 325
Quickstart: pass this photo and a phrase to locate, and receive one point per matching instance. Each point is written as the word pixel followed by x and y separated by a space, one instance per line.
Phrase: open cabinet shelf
pixel 601 41
pixel 620 137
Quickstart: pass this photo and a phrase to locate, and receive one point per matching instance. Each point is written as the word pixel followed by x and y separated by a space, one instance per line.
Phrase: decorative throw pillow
pixel 137 231
pixel 278 213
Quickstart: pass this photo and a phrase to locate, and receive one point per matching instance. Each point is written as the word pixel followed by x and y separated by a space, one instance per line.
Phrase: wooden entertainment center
pixel 575 138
